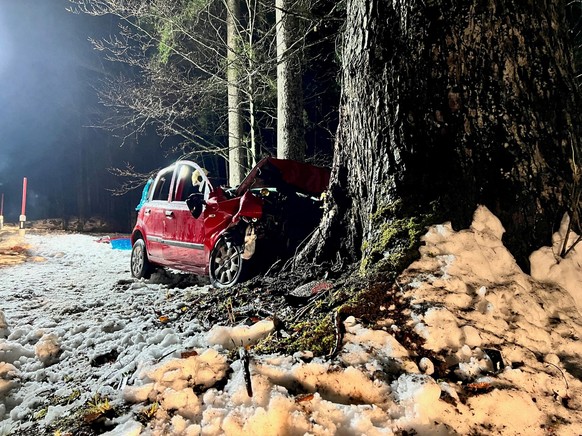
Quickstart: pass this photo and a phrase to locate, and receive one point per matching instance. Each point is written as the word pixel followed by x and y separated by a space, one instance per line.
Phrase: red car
pixel 188 224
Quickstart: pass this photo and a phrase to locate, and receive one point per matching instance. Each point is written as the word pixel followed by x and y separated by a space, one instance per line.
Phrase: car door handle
pixel 169 213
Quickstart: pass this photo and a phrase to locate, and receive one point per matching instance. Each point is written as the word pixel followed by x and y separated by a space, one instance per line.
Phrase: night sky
pixel 48 71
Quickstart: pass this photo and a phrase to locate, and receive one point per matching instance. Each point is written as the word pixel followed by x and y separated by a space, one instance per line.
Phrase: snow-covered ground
pixel 75 324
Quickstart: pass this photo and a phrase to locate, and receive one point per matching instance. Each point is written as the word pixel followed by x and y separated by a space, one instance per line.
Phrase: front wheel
pixel 140 264
pixel 226 264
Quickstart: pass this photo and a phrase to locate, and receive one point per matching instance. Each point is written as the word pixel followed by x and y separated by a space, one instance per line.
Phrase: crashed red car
pixel 188 224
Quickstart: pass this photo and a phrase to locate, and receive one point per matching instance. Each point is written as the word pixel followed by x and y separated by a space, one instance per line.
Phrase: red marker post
pixel 2 212
pixel 23 211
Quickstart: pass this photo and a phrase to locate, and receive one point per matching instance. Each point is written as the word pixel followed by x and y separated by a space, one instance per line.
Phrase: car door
pixel 154 214
pixel 184 234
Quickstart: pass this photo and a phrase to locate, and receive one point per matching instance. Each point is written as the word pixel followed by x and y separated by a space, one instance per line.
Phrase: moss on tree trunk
pixel 446 106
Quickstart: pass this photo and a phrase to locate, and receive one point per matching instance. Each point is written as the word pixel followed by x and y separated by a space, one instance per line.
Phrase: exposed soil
pixel 308 304
pixel 13 249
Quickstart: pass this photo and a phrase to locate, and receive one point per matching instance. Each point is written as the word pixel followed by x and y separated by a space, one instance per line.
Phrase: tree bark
pixel 290 128
pixel 254 149
pixel 236 152
pixel 447 105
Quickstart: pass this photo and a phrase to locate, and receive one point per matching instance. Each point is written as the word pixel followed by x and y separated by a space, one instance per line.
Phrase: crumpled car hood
pixel 271 172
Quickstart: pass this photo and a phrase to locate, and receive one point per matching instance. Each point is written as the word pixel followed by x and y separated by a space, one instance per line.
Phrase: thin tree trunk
pixel 254 152
pixel 290 128
pixel 447 105
pixel 236 152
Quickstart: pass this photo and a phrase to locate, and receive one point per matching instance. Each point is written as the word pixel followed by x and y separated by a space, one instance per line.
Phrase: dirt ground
pixel 13 248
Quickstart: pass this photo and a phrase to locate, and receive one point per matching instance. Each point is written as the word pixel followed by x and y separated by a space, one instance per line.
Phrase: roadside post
pixel 23 211
pixel 2 212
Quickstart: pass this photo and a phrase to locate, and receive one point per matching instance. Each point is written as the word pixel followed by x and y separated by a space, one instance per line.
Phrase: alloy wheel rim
pixel 137 258
pixel 227 263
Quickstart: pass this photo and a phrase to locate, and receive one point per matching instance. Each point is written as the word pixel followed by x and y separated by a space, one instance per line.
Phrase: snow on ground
pixel 75 325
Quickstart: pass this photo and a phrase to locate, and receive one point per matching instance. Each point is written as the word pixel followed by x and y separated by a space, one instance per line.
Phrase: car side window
pixel 162 187
pixel 184 183
pixel 190 181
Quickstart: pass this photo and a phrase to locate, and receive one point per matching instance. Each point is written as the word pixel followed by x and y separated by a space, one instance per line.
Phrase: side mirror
pixel 196 203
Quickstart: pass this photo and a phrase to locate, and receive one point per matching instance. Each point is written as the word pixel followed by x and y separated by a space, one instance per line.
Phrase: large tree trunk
pixel 290 128
pixel 236 152
pixel 447 105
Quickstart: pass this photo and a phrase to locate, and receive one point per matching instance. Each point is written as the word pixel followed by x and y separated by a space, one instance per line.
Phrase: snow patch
pixel 501 352
pixel 547 266
pixel 48 349
pixel 239 336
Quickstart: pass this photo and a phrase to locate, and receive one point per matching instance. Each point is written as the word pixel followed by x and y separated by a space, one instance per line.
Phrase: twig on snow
pixel 245 358
pixel 563 376
pixel 339 333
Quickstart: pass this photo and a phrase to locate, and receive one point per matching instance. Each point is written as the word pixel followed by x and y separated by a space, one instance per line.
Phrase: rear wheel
pixel 140 264
pixel 226 263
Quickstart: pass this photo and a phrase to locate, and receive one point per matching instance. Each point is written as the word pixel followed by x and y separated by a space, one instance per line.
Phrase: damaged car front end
pixel 227 233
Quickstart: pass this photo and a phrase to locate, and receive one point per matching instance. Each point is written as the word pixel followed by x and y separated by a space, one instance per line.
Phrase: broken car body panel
pixel 270 172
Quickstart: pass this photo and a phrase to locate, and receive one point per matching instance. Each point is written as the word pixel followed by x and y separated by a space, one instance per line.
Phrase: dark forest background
pixel 50 75
pixel 48 71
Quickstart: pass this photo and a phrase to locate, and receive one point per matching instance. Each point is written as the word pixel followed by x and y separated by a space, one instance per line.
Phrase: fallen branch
pixel 339 333
pixel 245 358
pixel 567 396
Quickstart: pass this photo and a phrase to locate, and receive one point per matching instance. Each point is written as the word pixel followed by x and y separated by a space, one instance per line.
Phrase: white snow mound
pixel 478 346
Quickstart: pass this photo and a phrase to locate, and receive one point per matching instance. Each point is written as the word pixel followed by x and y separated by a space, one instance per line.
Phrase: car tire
pixel 225 264
pixel 141 268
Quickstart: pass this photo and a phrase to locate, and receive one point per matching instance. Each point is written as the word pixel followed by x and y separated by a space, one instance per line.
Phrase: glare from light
pixel 6 46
